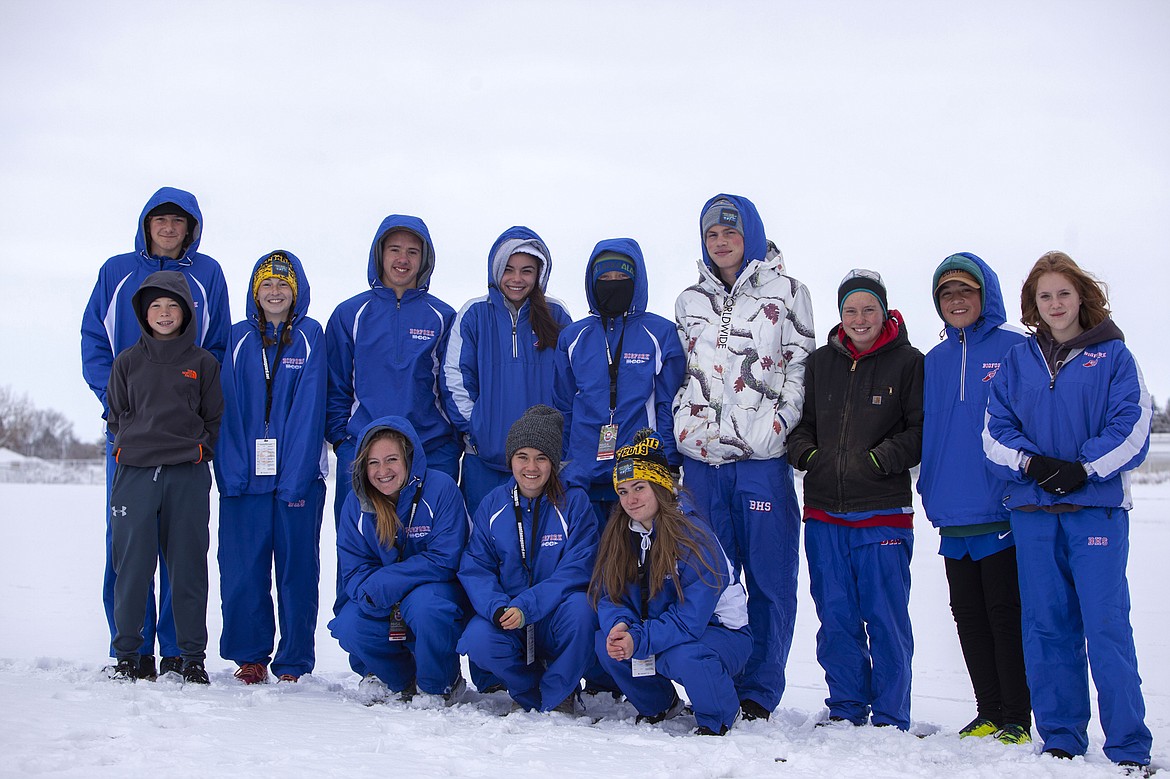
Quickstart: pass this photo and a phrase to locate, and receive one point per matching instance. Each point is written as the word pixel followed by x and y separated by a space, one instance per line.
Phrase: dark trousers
pixel 167 508
pixel 985 601
pixel 162 625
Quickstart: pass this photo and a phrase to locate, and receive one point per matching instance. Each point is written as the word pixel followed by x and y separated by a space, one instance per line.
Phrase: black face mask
pixel 613 296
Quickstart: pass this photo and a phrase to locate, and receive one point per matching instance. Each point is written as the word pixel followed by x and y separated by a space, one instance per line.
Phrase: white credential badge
pixel 265 456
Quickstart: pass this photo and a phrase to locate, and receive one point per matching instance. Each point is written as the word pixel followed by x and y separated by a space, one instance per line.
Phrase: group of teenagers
pixel 570 502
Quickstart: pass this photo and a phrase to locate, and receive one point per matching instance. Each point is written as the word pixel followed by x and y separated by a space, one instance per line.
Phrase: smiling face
pixel 386 466
pixel 960 304
pixel 275 297
pixel 725 247
pixel 639 501
pixel 1059 306
pixel 165 318
pixel 861 319
pixel 401 259
pixel 519 277
pixel 167 234
pixel 532 470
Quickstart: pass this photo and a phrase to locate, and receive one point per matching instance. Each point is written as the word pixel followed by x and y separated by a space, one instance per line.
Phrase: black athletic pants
pixel 985 601
pixel 163 508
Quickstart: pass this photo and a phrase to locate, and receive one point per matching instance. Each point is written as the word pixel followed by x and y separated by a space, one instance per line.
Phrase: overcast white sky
pixel 879 134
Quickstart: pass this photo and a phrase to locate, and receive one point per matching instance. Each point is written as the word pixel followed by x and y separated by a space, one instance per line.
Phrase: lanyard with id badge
pixel 399 630
pixel 529 629
pixel 266 447
pixel 607 443
pixel 645 666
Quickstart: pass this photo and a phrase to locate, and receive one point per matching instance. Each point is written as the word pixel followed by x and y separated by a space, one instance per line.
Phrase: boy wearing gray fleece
pixel 165 404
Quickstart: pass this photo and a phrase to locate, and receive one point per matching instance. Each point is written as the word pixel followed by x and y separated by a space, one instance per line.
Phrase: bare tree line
pixel 45 433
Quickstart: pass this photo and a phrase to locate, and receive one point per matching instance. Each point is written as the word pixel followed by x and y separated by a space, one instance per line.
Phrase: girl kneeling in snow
pixel 668 606
pixel 526 569
pixel 398 544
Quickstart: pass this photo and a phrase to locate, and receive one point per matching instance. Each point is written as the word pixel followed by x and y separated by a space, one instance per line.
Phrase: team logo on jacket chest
pixel 634 358
pixel 422 334
pixel 1094 357
pixel 1098 541
pixel 293 363
pixel 418 531
pixel 759 505
pixel 552 539
pixel 992 368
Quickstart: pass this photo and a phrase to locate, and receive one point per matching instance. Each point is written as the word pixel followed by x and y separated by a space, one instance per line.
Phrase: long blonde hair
pixel 676 536
pixel 386 523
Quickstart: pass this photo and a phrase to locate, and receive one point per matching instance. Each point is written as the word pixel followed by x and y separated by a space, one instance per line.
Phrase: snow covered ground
pixel 59 716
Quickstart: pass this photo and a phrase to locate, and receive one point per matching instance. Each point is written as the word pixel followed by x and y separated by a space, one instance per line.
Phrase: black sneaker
pixel 171 665
pixel 593 690
pixel 673 710
pixel 146 668
pixel 195 673
pixel 835 720
pixel 703 730
pixel 751 710
pixel 126 670
pixel 1058 753
pixel 1134 768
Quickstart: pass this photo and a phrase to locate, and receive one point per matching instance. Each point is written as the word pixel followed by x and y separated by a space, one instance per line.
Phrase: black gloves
pixel 498 615
pixel 806 459
pixel 1058 477
pixel 1041 468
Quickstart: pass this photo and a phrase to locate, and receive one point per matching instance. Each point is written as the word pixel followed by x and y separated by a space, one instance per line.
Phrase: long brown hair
pixel 676 536
pixel 286 336
pixel 1093 293
pixel 385 506
pixel 540 317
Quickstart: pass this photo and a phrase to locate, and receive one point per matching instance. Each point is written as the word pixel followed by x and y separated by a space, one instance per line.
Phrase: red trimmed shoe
pixel 252 673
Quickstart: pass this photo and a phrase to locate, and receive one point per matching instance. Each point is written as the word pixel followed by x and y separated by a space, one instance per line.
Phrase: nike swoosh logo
pixel 1002 536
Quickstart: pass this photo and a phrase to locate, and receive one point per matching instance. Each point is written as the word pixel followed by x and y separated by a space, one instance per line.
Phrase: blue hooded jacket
pixel 110 324
pixel 431 536
pixel 1095 410
pixel 297 417
pixel 385 354
pixel 650 370
pixel 493 371
pixel 956 485
pixel 492 571
pixel 711 596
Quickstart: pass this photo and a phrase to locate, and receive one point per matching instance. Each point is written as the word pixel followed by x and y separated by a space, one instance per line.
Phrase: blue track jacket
pixel 714 599
pixel 650 371
pixel 110 323
pixel 492 571
pixel 1095 410
pixel 493 371
pixel 385 355
pixel 297 418
pixel 428 545
pixel 956 485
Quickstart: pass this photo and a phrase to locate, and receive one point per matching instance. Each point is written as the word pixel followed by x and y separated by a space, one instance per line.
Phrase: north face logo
pixel 190 374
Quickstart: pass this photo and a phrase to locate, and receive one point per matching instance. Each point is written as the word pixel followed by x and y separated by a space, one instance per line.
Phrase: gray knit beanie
pixel 541 427
pixel 721 212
